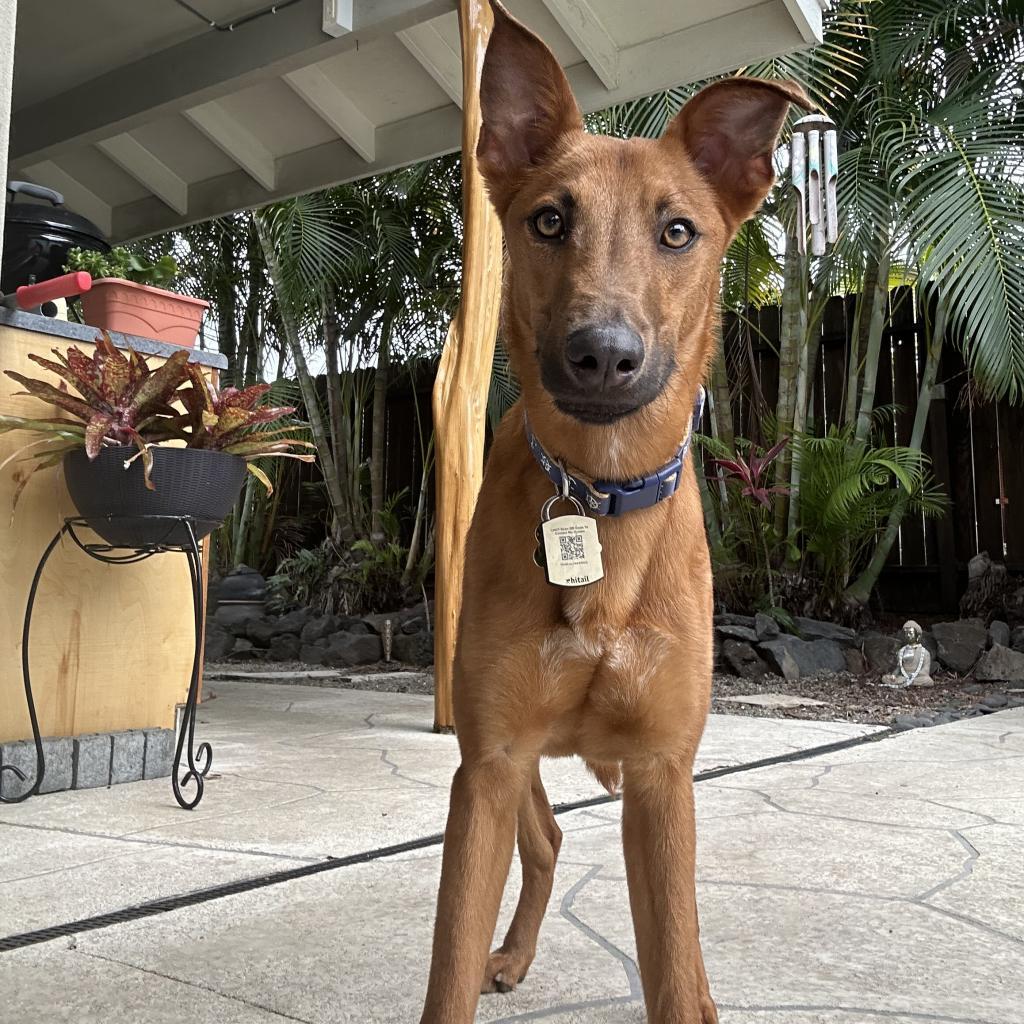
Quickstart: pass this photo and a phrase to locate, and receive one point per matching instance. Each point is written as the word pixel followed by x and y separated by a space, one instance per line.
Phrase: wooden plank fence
pixel 977 448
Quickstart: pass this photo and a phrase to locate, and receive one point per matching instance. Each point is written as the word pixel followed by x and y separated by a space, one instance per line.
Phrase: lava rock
pixel 1017 639
pixel 1001 664
pixel 293 622
pixel 413 648
pixel 242 584
pixel 742 660
pixel 348 649
pixel 766 627
pixel 235 617
pixel 855 661
pixel 815 629
pixel 995 701
pixel 313 654
pixel 729 619
pixel 375 623
pixel 806 657
pixel 242 650
pixel 414 625
pixel 959 644
pixel 998 633
pixel 901 723
pixel 219 642
pixel 929 644
pixel 737 633
pixel 879 652
pixel 284 647
pixel 261 631
pixel 319 628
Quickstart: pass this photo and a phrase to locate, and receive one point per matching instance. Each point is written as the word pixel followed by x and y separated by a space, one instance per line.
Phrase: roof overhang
pixel 208 121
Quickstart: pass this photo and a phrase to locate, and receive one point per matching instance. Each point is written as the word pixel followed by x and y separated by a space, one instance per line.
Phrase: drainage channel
pixel 169 903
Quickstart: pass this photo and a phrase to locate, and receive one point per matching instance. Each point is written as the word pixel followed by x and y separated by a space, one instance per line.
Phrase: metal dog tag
pixel 570 551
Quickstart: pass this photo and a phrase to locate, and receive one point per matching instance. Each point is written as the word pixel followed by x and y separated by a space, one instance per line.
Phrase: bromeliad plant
pixel 232 421
pixel 122 401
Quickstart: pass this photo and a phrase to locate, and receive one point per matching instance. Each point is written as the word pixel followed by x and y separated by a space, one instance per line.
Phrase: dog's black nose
pixel 604 357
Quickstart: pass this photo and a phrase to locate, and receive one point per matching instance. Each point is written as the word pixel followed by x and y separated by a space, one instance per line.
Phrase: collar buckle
pixel 607 498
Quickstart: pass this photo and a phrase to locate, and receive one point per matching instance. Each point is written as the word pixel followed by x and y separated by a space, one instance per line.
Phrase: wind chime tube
pixel 798 167
pixel 831 177
pixel 814 193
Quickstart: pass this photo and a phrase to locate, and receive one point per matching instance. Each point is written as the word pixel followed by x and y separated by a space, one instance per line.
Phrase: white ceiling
pixel 146 117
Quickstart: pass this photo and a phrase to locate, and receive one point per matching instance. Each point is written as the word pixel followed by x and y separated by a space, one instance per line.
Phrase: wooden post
pixel 463 377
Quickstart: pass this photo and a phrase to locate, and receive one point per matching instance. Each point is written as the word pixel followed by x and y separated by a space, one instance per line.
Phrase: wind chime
pixel 814 158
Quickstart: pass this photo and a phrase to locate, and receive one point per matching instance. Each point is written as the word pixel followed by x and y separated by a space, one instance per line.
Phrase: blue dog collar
pixel 607 498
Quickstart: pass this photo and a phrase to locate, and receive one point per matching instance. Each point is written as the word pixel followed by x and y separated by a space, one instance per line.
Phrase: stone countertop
pixel 81 332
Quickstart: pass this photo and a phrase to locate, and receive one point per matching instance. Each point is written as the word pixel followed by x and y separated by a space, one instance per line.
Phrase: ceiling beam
pixel 578 21
pixel 237 142
pixel 337 17
pixel 77 197
pixel 148 170
pixel 331 103
pixel 203 68
pixel 437 57
pixel 807 15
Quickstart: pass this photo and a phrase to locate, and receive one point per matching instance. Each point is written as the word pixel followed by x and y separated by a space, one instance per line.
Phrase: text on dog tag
pixel 572 551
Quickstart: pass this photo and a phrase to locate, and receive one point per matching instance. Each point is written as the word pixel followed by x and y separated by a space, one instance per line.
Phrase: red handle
pixel 30 295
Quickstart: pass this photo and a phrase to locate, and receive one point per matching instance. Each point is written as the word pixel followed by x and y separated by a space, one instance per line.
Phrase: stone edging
pixel 90 760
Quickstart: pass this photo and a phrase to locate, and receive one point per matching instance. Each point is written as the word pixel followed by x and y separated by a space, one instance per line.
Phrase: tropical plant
pixel 848 493
pixel 365 577
pixel 121 401
pixel 747 543
pixel 751 472
pixel 927 100
pixel 233 421
pixel 371 270
pixel 125 264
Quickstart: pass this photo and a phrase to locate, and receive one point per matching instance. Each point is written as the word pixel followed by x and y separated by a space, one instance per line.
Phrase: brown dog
pixel 611 294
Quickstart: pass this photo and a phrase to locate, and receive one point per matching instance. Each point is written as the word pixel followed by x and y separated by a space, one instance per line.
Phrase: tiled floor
pixel 883 883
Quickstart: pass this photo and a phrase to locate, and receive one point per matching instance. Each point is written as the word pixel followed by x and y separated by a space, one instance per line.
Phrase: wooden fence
pixel 976 447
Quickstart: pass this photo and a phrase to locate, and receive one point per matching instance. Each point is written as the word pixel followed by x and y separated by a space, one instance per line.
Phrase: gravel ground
pixel 859 698
pixel 390 677
pixel 844 697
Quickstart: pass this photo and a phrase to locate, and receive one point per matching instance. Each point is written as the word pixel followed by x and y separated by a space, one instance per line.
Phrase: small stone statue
pixel 387 638
pixel 913 662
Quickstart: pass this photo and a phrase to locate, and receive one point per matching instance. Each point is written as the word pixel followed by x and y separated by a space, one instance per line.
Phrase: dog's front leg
pixel 658 834
pixel 478 845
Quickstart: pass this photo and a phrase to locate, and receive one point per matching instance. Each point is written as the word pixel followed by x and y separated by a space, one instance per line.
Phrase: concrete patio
pixel 878 883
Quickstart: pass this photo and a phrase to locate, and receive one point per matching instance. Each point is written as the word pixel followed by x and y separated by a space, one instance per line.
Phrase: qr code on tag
pixel 571 546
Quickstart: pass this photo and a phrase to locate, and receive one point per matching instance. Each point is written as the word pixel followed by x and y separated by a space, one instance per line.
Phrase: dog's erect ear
pixel 526 105
pixel 729 130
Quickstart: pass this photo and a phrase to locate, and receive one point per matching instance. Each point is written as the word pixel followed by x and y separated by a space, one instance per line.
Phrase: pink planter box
pixel 113 304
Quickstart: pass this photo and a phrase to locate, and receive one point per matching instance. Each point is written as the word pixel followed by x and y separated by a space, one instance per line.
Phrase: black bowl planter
pixel 202 485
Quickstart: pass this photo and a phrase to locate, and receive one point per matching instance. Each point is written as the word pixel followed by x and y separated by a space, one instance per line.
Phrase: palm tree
pixel 927 96
pixel 362 268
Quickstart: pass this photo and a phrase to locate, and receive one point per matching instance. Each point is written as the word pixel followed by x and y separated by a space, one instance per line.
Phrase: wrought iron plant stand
pixel 155 535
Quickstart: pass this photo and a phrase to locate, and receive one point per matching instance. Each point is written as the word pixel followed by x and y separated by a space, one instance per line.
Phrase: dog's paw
pixel 504 971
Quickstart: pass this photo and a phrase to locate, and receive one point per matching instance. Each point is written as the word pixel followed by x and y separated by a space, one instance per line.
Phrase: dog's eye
pixel 549 223
pixel 678 234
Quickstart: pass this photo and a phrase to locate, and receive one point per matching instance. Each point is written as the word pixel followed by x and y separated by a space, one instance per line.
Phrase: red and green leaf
pixel 160 385
pixel 95 432
pixel 83 386
pixel 54 396
pixel 232 398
